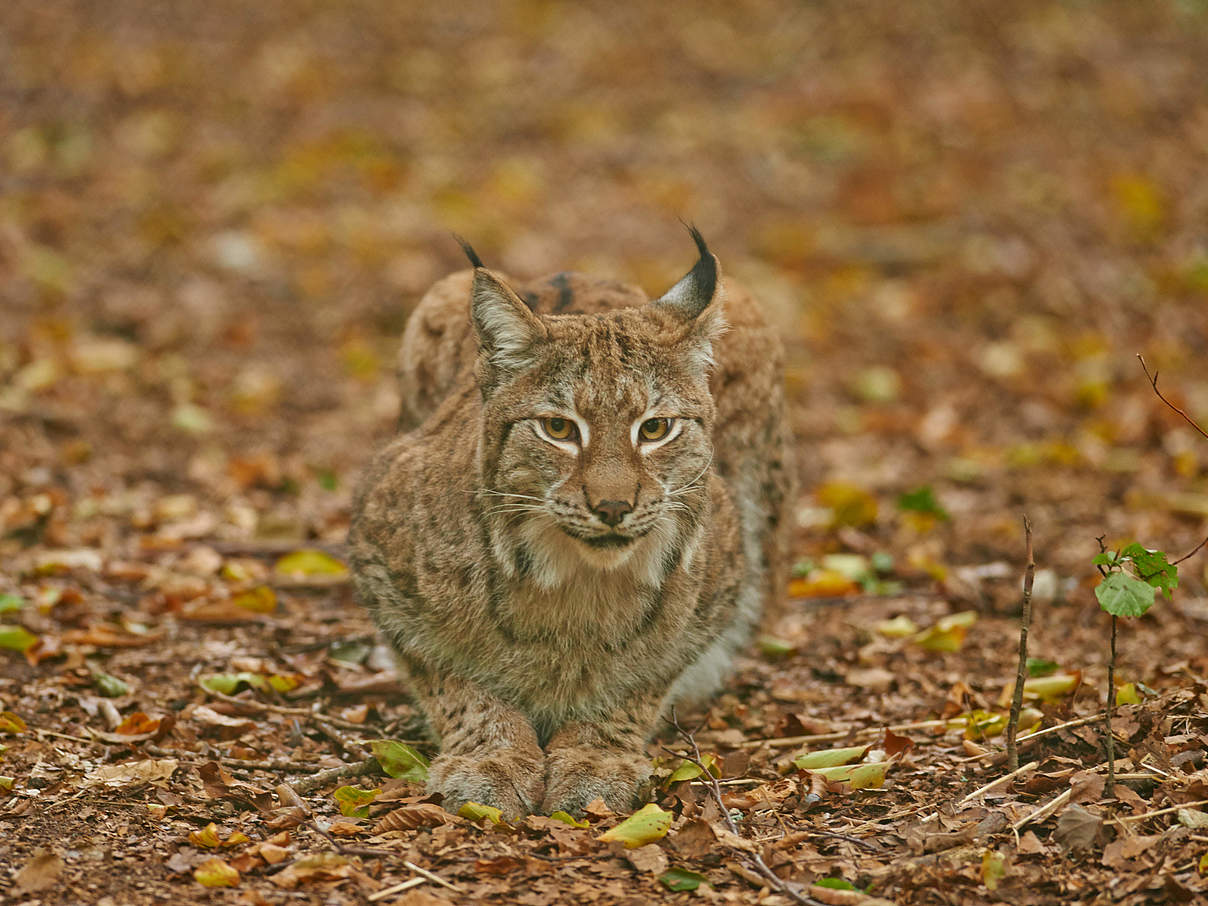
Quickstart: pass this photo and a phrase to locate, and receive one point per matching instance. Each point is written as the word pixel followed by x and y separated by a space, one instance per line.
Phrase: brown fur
pixel 542 642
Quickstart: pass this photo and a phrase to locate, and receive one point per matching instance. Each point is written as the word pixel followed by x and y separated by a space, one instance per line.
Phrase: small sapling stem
pixel 1025 620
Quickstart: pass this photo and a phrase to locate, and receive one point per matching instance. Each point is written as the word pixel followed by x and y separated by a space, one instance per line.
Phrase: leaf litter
pixel 963 275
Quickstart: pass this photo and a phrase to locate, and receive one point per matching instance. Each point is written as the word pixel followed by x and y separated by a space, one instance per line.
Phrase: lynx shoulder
pixel 581 523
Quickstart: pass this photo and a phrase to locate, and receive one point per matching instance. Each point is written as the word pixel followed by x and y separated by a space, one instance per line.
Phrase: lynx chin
pixel 580 523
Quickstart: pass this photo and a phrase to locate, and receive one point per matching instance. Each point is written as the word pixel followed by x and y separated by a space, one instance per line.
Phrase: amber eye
pixel 559 428
pixel 654 429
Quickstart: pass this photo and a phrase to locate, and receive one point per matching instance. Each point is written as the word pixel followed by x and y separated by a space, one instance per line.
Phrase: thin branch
pixel 1195 550
pixel 1025 621
pixel 995 784
pixel 1153 381
pixel 1044 811
pixel 774 881
pixel 314 781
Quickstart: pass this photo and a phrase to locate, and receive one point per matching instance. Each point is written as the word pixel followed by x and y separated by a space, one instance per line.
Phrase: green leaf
pixel 11 602
pixel 775 648
pixel 922 500
pixel 1123 595
pixel 310 562
pixel 6 783
pixel 1038 666
pixel 688 770
pixel 18 638
pixel 1152 567
pixel 476 811
pixel 647 824
pixel 228 683
pixel 400 760
pixel 354 801
pixel 835 884
pixel 829 758
pixel 682 879
pixel 109 686
pixel 566 818
pixel 1106 558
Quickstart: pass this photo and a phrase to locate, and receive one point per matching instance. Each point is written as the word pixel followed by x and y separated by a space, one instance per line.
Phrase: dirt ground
pixel 969 218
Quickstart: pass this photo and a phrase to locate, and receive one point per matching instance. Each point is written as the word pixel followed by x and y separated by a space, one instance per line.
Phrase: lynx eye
pixel 654 429
pixel 559 428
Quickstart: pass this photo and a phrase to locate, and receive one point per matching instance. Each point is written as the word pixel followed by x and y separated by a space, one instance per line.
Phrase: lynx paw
pixel 510 780
pixel 576 776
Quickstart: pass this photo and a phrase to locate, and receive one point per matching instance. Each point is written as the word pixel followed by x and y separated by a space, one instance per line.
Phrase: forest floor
pixel 969 218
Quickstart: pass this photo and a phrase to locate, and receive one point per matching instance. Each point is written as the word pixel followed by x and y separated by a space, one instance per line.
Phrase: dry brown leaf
pixel 39 873
pixel 408 817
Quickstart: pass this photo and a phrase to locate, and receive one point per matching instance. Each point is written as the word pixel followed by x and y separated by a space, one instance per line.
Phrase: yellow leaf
pixel 899 627
pixel 994 868
pixel 857 776
pixel 310 562
pixel 947 634
pixel 260 599
pixel 216 873
pixel 207 837
pixel 822 583
pixel 1127 694
pixel 829 758
pixel 476 812
pixel 849 503
pixel 566 818
pixel 11 723
pixel 647 824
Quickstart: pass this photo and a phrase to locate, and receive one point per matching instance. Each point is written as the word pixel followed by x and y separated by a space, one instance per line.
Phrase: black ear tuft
pixel 693 293
pixel 470 253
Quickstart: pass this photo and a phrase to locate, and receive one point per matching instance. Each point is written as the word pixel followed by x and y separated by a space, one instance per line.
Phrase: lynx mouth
pixel 611 540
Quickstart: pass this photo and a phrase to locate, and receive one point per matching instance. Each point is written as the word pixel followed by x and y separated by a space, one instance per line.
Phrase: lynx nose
pixel 611 512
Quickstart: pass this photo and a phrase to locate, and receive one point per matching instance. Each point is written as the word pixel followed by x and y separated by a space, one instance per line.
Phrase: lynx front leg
pixel 604 759
pixel 489 752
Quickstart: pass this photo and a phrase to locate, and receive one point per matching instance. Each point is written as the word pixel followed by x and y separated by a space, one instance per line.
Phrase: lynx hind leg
pixel 489 752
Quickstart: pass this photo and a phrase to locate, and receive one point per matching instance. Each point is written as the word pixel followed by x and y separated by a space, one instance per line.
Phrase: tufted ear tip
pixel 469 250
pixel 694 292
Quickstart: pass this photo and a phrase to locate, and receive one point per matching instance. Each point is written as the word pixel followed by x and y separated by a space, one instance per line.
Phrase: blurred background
pixel 968 216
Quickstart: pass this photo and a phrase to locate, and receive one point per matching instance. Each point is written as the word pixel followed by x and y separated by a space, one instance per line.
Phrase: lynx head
pixel 597 429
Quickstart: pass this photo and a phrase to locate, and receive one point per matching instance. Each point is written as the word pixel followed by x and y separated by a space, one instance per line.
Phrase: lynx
pixel 579 525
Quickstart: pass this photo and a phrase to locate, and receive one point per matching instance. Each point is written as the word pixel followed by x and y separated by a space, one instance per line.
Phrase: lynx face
pixel 597 430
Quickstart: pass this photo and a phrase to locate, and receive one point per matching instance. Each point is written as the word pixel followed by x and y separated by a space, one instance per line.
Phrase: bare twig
pixel 788 741
pixel 756 861
pixel 1195 550
pixel 1153 381
pixel 1025 621
pixel 315 781
pixel 1044 811
pixel 995 784
pixel 1162 811
pixel 431 876
pixel 397 888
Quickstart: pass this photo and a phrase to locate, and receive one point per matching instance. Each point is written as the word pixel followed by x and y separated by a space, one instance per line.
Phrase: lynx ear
pixel 697 299
pixel 507 330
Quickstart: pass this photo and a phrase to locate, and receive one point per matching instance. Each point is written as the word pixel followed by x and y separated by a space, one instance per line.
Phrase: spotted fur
pixel 548 599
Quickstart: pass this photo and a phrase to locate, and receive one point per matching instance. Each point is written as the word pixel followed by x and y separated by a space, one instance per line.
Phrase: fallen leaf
pixel 476 811
pixel 151 770
pixel 354 801
pixel 214 872
pixel 317 867
pixel 678 879
pixel 649 858
pixel 1193 818
pixel 17 638
pixel 1120 853
pixel 260 599
pixel 11 723
pixel 39 873
pixel 689 770
pixel 569 819
pixel 408 817
pixel 993 869
pixel 829 758
pixel 400 760
pixel 310 562
pixel 948 634
pixel 646 825
pixel 137 724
